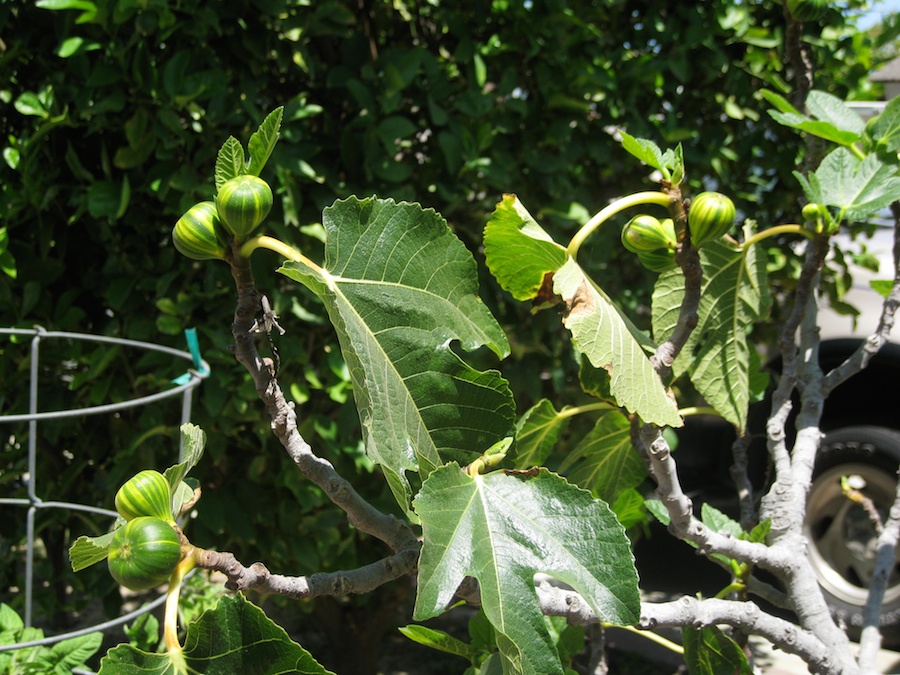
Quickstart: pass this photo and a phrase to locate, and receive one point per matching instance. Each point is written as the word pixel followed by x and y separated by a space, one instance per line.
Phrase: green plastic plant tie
pixel 194 348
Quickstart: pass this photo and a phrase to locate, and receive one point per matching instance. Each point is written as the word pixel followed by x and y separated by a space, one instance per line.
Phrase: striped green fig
pixel 660 260
pixel 807 10
pixel 198 234
pixel 143 553
pixel 710 216
pixel 145 494
pixel 646 233
pixel 243 203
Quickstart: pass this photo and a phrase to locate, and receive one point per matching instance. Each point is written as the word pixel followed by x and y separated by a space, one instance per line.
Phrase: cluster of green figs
pixel 710 216
pixel 145 551
pixel 208 229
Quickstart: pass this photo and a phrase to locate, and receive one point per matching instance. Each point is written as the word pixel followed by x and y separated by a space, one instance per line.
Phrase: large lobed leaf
pixel 718 355
pixel 502 529
pixel 522 256
pixel 399 288
pixel 235 637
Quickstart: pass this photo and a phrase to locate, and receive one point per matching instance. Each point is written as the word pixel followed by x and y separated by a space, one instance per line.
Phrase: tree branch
pixel 785 502
pixel 683 524
pixel 688 612
pixel 863 355
pixel 741 477
pixel 257 577
pixel 885 559
pixel 688 259
pixel 360 513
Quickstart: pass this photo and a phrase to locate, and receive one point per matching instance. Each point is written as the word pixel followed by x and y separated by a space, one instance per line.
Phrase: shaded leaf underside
pixel 717 356
pixel 519 254
pixel 605 461
pixel 400 289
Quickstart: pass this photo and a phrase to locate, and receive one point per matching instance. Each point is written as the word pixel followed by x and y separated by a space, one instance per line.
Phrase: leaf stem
pixel 698 410
pixel 653 637
pixel 170 625
pixel 660 198
pixel 734 587
pixel 588 407
pixel 792 228
pixel 276 245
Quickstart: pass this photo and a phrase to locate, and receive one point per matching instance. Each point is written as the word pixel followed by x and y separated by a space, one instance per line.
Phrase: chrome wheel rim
pixel 842 538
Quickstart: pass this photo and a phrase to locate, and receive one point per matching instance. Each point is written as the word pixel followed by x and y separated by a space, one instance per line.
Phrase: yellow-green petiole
pixel 170 624
pixel 638 198
pixel 791 228
pixel 277 246
pixel 653 637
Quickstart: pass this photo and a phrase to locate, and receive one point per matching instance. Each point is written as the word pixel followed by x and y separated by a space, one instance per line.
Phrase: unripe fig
pixel 243 203
pixel 812 212
pixel 646 233
pixel 711 215
pixel 145 494
pixel 807 10
pixel 198 234
pixel 143 553
pixel 660 260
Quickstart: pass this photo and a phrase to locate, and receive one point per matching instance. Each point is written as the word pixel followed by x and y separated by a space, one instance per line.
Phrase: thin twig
pixel 688 612
pixel 740 474
pixel 885 560
pixel 360 513
pixel 257 577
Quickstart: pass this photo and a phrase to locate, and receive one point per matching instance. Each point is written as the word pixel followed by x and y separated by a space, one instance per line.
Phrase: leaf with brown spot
pixel 610 341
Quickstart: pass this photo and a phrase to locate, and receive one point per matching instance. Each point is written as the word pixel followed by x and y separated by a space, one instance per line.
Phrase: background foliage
pixel 112 113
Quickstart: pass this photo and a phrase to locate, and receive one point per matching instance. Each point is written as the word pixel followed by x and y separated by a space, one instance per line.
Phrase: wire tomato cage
pixel 184 387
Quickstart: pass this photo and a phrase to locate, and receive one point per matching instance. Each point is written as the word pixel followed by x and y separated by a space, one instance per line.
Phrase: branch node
pixel 573 601
pixel 337 491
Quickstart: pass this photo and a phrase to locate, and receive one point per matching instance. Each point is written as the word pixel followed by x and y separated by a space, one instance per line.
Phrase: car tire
pixel 841 534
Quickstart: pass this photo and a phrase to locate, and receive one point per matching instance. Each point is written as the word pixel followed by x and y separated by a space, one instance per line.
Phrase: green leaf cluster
pixel 399 288
pixel 60 658
pixel 858 178
pixel 232 161
pixel 669 163
pixel 112 115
